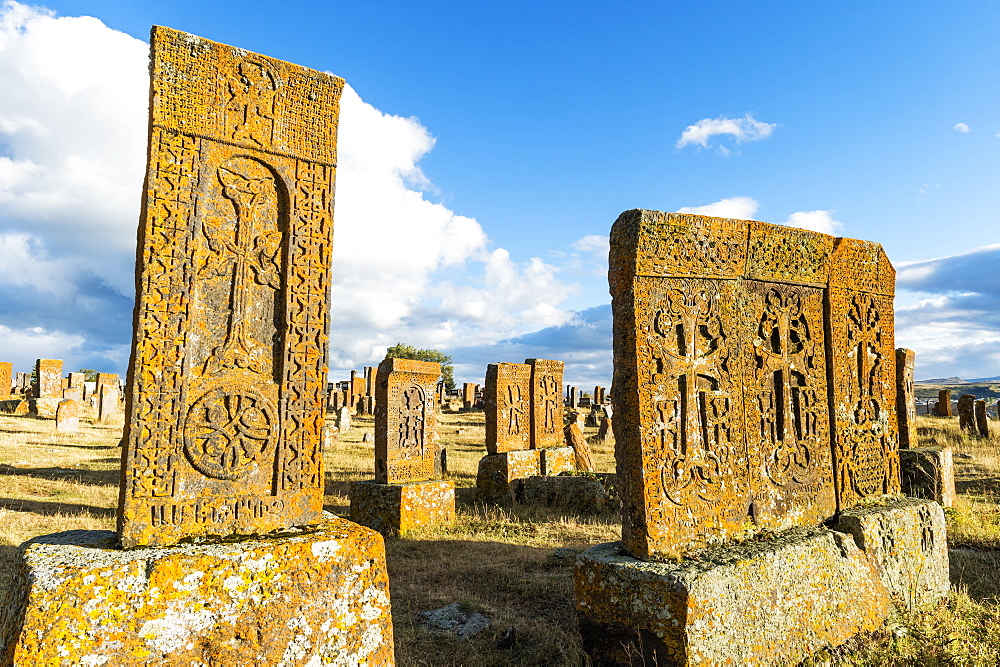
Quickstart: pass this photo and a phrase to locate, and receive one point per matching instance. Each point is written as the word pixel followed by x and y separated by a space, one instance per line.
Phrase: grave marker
pixel 906 407
pixel 508 409
pixel 546 403
pixel 68 416
pixel 405 421
pixel 6 369
pixel 48 378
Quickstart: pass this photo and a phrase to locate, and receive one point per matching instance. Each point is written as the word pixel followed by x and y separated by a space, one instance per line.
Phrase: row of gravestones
pixel 54 396
pixel 754 392
pixel 973 416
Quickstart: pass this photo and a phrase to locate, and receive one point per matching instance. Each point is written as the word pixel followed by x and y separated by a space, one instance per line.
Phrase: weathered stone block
pixel 906 541
pixel 6 372
pixel 45 407
pixel 314 597
pixel 68 416
pixel 580 493
pixel 555 460
pixel 498 472
pixel 762 602
pixel 406 448
pixel 928 472
pixel 393 509
pixel 48 378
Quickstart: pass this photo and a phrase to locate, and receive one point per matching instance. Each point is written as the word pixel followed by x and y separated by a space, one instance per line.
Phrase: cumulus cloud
pixel 742 130
pixel 72 148
pixel 740 208
pixel 961 128
pixel 816 221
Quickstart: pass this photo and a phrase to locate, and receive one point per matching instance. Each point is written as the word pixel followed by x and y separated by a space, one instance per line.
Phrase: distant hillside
pixel 995 378
pixel 951 380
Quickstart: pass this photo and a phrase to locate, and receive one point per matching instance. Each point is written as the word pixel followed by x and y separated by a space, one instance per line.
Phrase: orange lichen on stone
pixel 498 474
pixel 229 358
pixel 546 403
pixel 507 399
pixel 555 460
pixel 725 335
pixel 315 597
pixel 48 378
pixel 906 406
pixel 6 375
pixel 394 509
pixel 406 448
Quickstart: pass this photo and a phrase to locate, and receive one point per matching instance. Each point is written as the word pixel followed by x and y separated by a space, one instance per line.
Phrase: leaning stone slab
pixel 314 597
pixel 498 475
pixel 928 472
pixel 394 509
pixel 767 602
pixel 906 541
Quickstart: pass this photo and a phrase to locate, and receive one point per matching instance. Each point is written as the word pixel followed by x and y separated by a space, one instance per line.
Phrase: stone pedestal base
pixel 315 597
pixel 393 509
pixel 928 472
pixel 501 476
pixel 770 601
pixel 45 407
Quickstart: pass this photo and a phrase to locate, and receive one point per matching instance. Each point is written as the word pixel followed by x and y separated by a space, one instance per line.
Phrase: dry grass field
pixel 504 562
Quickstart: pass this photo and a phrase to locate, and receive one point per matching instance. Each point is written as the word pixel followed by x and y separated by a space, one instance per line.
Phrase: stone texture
pixel 229 358
pixel 546 403
pixel 906 540
pixel 344 419
pixel 48 378
pixel 73 394
pixel 6 379
pixel 108 403
pixel 508 408
pixel 468 395
pixel 76 380
pixel 394 509
pixel 68 416
pixel 45 407
pixel 982 421
pixel 406 447
pixel 555 460
pixel 319 597
pixel 497 479
pixel 581 450
pixel 967 413
pixel 906 406
pixel 727 336
pixel 928 472
pixel 768 602
pixel 579 493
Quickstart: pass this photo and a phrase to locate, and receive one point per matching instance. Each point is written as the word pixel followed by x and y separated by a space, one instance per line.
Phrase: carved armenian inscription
pixel 229 357
pixel 722 357
pixel 405 418
pixel 546 403
pixel 508 408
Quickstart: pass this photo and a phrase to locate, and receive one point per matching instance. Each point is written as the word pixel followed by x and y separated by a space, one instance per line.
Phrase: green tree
pixel 91 374
pixel 403 351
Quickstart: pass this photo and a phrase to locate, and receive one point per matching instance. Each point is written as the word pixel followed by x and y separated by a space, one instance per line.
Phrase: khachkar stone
pixel 967 413
pixel 546 403
pixel 404 493
pixel 6 370
pixel 48 378
pixel 982 421
pixel 468 396
pixel 906 407
pixel 508 409
pixel 228 365
pixel 754 392
pixel 944 403
pixel 76 380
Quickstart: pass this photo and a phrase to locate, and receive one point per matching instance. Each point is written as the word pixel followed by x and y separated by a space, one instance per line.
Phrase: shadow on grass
pixel 52 509
pixel 981 486
pixel 90 477
pixel 976 571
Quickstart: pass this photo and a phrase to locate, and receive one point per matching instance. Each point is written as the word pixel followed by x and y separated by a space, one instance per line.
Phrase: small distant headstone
pixel 68 416
pixel 367 437
pixel 468 396
pixel 944 403
pixel 76 380
pixel 344 419
pixel 967 413
pixel 982 421
pixel 108 404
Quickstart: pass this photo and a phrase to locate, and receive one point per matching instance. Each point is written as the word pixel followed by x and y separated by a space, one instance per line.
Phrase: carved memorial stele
pixel 6 370
pixel 546 403
pixel 906 406
pixel 508 409
pixel 48 378
pixel 405 421
pixel 228 367
pixel 726 335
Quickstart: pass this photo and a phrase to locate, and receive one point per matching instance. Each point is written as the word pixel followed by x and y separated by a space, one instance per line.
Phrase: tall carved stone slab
pixel 721 378
pixel 860 329
pixel 229 356
pixel 6 371
pixel 508 407
pixel 546 403
pixel 76 380
pixel 405 418
pixel 944 403
pixel 906 406
pixel 48 378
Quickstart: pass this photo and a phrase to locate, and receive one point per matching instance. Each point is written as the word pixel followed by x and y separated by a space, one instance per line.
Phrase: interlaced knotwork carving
pixel 228 432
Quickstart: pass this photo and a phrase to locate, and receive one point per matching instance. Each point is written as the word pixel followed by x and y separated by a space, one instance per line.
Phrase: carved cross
pixel 777 357
pixel 866 334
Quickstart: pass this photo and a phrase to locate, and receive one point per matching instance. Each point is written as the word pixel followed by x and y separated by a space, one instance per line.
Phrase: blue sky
pixel 487 148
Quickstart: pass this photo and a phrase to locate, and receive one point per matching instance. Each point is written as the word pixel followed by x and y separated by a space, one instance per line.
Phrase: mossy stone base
pixel 394 509
pixel 555 460
pixel 317 596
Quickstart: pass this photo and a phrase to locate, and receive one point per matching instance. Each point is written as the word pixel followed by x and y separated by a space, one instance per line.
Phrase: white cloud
pixel 740 208
pixel 742 130
pixel 961 128
pixel 72 146
pixel 816 221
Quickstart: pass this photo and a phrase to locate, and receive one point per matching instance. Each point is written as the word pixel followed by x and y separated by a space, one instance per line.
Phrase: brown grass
pixel 502 562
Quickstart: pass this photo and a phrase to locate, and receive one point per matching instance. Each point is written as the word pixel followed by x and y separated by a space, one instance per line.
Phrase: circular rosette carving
pixel 228 431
